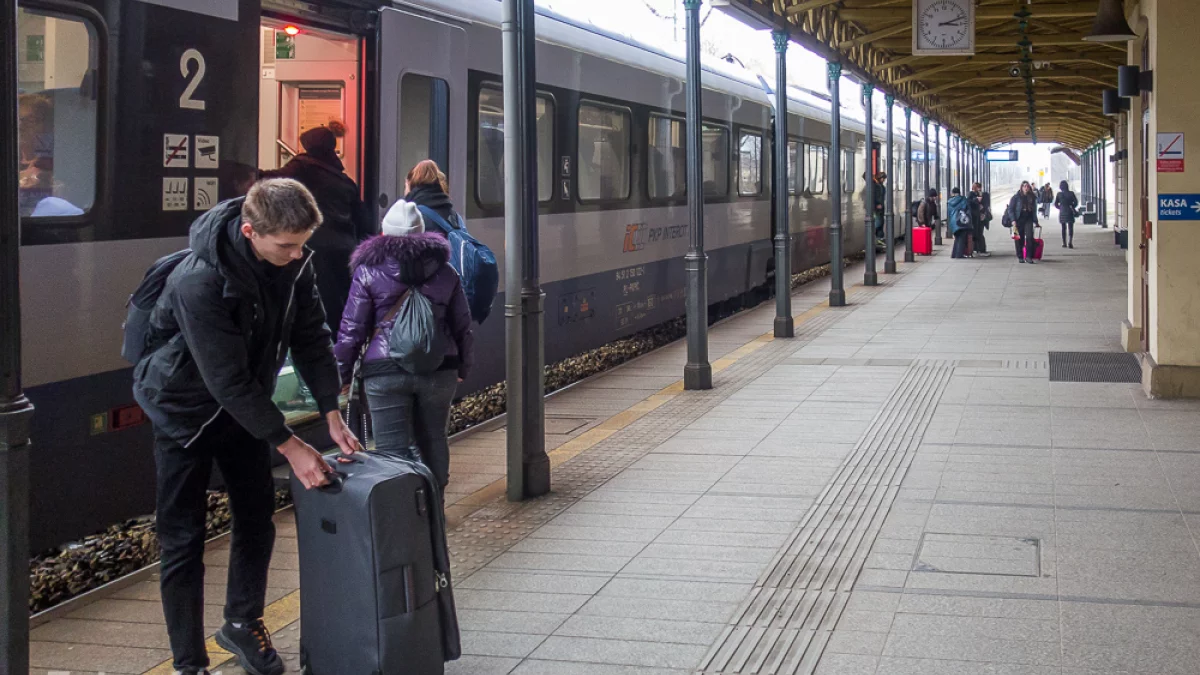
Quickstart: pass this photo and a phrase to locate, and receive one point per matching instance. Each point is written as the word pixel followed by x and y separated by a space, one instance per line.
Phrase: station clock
pixel 943 27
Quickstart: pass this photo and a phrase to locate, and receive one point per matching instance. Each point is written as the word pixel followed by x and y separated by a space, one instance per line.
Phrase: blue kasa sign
pixel 1179 207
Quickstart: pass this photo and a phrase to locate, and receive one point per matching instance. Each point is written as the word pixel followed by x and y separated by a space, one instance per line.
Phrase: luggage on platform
pixel 922 242
pixel 375 593
pixel 1039 246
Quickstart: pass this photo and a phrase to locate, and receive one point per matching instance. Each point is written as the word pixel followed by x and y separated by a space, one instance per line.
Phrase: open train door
pixel 422 66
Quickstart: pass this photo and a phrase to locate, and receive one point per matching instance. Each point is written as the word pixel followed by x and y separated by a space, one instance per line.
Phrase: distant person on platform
pixel 980 204
pixel 1022 211
pixel 346 222
pixel 956 208
pixel 879 185
pixel 928 212
pixel 1068 209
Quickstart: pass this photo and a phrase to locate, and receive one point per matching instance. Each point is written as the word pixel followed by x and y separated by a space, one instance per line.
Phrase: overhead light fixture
pixel 1113 103
pixel 1131 81
pixel 1110 24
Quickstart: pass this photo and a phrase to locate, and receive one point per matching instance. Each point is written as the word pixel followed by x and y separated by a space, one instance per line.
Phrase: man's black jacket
pixel 224 325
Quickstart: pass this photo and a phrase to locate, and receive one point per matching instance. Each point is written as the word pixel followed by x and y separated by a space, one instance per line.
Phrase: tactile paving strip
pixel 1118 367
pixel 784 625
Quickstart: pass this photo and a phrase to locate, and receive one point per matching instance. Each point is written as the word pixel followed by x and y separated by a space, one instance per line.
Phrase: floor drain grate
pixel 1094 367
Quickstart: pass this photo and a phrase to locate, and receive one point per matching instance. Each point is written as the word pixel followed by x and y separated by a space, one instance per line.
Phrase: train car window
pixel 489 164
pixel 795 180
pixel 604 153
pixel 667 174
pixel 715 147
pixel 749 165
pixel 424 122
pixel 58 108
pixel 816 168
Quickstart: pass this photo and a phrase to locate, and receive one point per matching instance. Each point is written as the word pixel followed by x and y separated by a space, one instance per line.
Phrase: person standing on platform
pixel 958 211
pixel 1022 210
pixel 928 212
pixel 981 214
pixel 1067 204
pixel 226 317
pixel 408 409
pixel 879 185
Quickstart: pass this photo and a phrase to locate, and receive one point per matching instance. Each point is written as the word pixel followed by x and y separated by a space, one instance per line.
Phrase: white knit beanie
pixel 403 219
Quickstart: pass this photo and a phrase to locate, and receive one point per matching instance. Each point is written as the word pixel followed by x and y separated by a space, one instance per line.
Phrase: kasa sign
pixel 1179 207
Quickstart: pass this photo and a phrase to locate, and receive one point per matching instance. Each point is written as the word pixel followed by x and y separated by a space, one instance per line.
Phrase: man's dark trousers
pixel 183 480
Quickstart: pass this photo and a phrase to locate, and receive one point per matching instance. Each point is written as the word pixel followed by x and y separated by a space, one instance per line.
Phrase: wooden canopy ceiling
pixel 1060 79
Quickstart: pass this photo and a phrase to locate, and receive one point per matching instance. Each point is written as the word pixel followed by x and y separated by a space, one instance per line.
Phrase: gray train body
pixel 609 268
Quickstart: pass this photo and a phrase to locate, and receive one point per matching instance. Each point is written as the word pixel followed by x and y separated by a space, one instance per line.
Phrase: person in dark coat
pixel 1067 204
pixel 1022 210
pixel 407 409
pixel 346 222
pixel 426 186
pixel 228 314
pixel 928 212
pixel 980 204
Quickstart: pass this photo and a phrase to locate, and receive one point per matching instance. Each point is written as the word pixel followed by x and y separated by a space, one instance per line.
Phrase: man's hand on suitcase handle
pixel 308 465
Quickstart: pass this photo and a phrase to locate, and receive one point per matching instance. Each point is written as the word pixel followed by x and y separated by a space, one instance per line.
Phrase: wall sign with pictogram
pixel 1170 152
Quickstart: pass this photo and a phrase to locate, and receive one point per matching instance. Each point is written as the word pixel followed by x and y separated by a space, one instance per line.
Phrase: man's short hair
pixel 280 206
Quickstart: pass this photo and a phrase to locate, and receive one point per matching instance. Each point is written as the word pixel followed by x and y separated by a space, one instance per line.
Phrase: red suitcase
pixel 1039 246
pixel 922 242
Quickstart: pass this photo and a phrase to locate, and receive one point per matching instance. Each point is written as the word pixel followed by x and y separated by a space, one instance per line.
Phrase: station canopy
pixel 1032 76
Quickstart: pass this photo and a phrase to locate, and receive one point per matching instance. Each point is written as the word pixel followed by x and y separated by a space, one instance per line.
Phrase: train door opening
pixel 309 78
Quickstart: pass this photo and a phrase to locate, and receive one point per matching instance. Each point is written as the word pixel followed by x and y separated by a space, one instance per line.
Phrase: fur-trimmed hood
pixel 381 249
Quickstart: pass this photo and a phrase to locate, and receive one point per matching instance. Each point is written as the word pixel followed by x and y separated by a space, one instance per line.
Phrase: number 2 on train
pixel 186 101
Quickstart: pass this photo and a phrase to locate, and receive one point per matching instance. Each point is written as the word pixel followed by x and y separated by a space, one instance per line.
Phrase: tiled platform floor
pixel 899 490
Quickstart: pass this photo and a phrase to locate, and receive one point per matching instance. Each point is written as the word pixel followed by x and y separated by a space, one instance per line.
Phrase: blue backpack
pixel 474 262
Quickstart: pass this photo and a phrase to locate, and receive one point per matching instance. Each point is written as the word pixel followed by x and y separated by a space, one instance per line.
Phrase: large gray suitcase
pixel 375 593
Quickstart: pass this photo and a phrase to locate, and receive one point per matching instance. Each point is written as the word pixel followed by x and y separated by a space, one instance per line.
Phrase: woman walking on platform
pixel 1066 202
pixel 1022 210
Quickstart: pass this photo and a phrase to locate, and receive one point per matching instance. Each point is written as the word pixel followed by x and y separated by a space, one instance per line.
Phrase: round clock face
pixel 944 25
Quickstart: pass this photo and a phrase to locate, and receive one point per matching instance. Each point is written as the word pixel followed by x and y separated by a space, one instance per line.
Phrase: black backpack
pixel 141 304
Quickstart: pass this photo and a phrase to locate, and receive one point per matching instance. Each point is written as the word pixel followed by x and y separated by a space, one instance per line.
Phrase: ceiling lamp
pixel 1110 25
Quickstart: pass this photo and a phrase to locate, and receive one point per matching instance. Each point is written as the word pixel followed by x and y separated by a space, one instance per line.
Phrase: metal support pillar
pixel 937 179
pixel 528 464
pixel 909 255
pixel 15 409
pixel 697 374
pixel 837 287
pixel 784 323
pixel 870 276
pixel 1102 218
pixel 889 217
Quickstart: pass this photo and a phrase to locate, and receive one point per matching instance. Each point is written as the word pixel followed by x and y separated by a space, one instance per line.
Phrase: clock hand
pixel 955 22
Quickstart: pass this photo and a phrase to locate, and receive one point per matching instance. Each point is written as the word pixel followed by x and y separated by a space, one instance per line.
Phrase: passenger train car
pixel 138 115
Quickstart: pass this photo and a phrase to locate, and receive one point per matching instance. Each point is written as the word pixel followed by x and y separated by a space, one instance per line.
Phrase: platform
pixel 900 490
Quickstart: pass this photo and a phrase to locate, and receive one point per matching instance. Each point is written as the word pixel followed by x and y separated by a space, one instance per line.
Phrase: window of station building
pixel 816 167
pixel 715 147
pixel 604 153
pixel 667 174
pixel 749 164
pixel 489 155
pixel 795 180
pixel 58 109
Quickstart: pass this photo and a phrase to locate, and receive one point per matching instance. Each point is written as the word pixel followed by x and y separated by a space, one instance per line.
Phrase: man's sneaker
pixel 191 671
pixel 251 644
pixel 985 254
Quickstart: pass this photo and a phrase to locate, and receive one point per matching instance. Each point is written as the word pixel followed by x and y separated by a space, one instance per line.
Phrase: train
pixel 136 116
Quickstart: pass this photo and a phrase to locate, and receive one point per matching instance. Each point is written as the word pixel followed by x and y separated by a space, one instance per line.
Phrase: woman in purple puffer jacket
pixel 407 409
